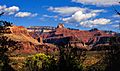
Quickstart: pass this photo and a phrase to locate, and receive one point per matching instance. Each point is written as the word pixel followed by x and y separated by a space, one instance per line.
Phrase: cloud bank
pixel 66 10
pixel 95 22
pixel 25 14
pixel 15 10
pixel 79 15
pixel 9 10
pixel 98 2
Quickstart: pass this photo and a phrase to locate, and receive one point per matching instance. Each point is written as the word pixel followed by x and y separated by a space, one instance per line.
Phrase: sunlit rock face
pixel 60 25
pixel 20 34
pixel 19 30
pixel 79 37
pixel 29 45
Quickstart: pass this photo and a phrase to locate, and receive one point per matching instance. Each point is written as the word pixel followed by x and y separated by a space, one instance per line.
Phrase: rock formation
pixel 29 44
pixel 78 37
pixel 60 25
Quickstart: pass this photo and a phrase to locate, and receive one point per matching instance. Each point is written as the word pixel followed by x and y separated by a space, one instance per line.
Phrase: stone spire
pixel 60 25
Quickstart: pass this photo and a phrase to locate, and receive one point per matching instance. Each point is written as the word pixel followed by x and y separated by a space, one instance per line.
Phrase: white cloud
pixel 55 17
pixel 117 21
pixel 66 10
pixel 79 16
pixel 91 23
pixel 97 11
pixel 9 10
pixel 116 16
pixel 84 18
pixel 14 9
pixel 22 14
pixel 98 2
pixel 25 14
pixel 75 14
pixel 116 26
pixel 101 21
pixel 2 8
pixel 48 16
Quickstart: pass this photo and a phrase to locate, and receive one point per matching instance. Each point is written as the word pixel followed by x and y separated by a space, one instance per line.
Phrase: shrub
pixel 40 62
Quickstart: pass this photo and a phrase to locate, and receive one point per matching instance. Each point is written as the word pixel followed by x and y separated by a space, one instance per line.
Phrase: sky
pixel 78 14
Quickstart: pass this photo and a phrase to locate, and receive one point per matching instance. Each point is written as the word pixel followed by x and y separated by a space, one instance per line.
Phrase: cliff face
pixel 77 38
pixel 28 43
pixel 19 30
pixel 83 35
pixel 20 34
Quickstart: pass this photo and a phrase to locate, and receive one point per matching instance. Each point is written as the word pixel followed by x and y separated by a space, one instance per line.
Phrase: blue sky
pixel 79 14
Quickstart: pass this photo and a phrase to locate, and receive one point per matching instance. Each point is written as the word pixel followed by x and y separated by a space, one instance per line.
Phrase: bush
pixel 41 62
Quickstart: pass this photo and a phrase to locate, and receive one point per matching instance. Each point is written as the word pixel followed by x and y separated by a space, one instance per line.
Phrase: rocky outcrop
pixel 60 25
pixel 77 38
pixel 20 34
pixel 28 43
